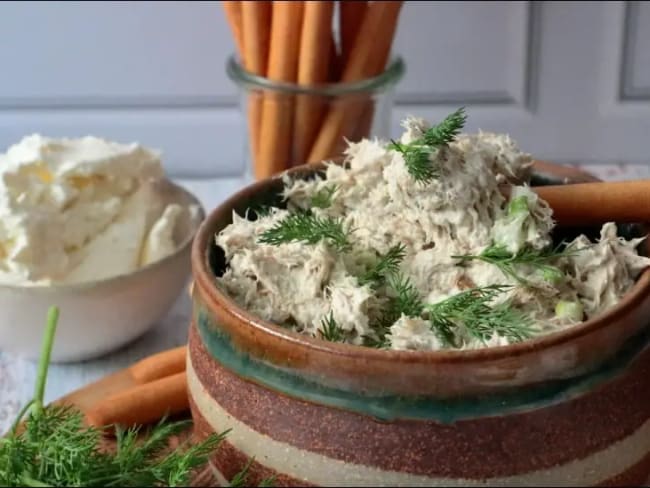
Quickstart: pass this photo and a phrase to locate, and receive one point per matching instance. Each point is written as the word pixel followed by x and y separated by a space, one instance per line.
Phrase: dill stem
pixel 44 361
pixel 31 481
pixel 21 414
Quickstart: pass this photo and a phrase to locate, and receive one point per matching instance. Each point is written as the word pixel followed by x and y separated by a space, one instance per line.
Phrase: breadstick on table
pixel 142 404
pixel 313 69
pixel 376 32
pixel 256 21
pixel 233 11
pixel 159 365
pixel 277 111
pixel 597 203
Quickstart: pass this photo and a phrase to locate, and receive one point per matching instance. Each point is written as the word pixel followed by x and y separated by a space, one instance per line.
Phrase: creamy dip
pixel 461 212
pixel 79 210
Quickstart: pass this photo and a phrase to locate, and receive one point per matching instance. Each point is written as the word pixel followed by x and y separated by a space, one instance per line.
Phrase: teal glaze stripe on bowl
pixel 392 407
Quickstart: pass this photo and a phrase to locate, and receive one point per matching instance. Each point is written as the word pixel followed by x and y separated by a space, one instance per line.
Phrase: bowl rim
pixel 85 285
pixel 205 279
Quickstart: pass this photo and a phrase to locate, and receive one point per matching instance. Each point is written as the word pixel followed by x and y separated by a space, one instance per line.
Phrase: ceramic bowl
pixel 571 408
pixel 101 316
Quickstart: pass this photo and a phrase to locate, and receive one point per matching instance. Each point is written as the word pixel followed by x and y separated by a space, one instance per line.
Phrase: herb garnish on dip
pixel 412 245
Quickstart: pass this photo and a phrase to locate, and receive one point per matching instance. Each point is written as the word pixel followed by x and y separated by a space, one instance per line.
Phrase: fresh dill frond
pixel 306 227
pixel 241 478
pixel 407 300
pixel 268 482
pixel 177 467
pixel 446 131
pixel 324 197
pixel 386 264
pixel 503 321
pixel 471 310
pixel 330 330
pixel 509 263
pixel 404 300
pixel 417 158
pixel 57 449
pixel 418 153
pixel 54 447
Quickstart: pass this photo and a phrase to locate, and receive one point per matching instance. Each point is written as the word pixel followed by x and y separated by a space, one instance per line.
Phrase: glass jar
pixel 290 124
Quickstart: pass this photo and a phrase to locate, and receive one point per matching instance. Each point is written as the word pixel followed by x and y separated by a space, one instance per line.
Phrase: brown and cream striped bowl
pixel 571 408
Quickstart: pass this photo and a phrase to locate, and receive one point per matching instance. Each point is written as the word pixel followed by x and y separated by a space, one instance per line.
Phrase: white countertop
pixel 17 375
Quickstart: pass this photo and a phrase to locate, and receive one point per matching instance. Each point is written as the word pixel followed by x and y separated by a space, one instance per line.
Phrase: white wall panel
pixel 464 52
pixel 570 81
pixel 635 72
pixel 113 53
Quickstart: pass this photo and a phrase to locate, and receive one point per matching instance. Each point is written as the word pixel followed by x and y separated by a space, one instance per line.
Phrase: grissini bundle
pixel 256 23
pixel 294 42
pixel 313 69
pixel 277 110
pixel 370 50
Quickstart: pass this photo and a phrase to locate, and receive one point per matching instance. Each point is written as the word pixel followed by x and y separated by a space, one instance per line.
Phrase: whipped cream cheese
pixel 78 210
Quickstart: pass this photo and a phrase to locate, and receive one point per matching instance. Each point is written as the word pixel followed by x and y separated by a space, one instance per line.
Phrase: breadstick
pixel 365 122
pixel 351 16
pixel 256 21
pixel 597 203
pixel 335 64
pixel 313 67
pixel 277 112
pixel 233 11
pixel 142 404
pixel 376 32
pixel 159 365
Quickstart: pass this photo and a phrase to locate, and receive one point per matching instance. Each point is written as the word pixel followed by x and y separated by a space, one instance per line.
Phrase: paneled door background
pixel 570 81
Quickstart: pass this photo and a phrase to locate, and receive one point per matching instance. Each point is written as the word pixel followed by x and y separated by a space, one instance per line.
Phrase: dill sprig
pixel 417 158
pixel 509 263
pixel 304 226
pixel 324 197
pixel 446 131
pixel 330 330
pixel 268 482
pixel 417 154
pixel 404 300
pixel 407 300
pixel 241 479
pixel 471 310
pixel 386 264
pixel 55 448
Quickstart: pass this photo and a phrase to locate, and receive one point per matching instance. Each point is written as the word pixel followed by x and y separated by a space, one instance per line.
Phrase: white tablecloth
pixel 17 375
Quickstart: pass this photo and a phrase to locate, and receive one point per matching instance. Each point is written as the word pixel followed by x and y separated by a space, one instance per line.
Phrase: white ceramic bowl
pixel 101 316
